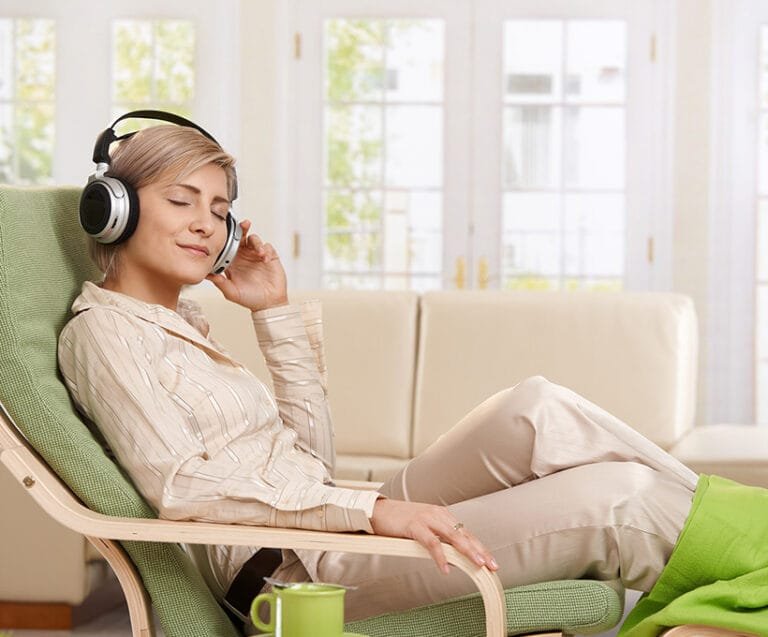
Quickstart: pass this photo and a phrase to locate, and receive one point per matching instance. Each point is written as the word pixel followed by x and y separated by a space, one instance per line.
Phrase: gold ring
pixel 458 526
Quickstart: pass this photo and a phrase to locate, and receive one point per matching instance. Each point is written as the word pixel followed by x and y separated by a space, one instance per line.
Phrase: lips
pixel 195 249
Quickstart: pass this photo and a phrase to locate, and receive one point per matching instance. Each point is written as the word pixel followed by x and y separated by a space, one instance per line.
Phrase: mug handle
pixel 269 598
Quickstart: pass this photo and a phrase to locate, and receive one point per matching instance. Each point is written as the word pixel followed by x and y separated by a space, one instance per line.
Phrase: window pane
pixel 532 142
pixel 354 59
pixel 413 232
pixel 6 59
pixel 383 134
pixel 27 84
pixel 347 209
pixel 153 65
pixel 414 59
pixel 594 147
pixel 352 252
pixel 358 282
pixel 174 61
pixel 132 61
pixel 531 236
pixel 354 146
pixel 34 60
pixel 414 146
pixel 594 235
pixel 34 142
pixel 533 51
pixel 596 66
pixel 7 171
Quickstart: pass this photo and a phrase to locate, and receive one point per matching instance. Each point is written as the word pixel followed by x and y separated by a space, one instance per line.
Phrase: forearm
pixel 290 338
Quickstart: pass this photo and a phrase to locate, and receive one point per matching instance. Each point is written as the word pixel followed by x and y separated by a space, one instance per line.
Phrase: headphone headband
pixel 105 140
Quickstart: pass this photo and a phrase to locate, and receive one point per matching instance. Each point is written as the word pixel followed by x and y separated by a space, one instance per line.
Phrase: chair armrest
pixel 361 485
pixel 58 502
pixel 702 631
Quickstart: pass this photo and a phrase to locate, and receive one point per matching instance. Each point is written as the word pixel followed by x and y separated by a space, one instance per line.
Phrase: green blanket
pixel 717 574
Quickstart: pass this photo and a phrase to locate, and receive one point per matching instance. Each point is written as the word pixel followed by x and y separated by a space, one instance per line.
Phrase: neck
pixel 156 292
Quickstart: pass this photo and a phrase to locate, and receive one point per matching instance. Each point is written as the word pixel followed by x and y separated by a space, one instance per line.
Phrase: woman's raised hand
pixel 429 525
pixel 255 279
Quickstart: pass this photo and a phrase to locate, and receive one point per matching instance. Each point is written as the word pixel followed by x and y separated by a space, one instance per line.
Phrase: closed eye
pixel 178 202
pixel 219 215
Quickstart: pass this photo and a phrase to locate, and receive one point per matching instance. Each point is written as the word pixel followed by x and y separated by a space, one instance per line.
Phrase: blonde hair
pixel 154 154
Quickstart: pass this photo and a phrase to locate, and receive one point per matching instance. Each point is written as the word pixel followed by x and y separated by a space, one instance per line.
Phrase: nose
pixel 202 222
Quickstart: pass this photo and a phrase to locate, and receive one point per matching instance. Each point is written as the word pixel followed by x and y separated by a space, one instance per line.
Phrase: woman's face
pixel 181 230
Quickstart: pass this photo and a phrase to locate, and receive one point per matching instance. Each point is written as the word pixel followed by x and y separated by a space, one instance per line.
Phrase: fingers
pixel 447 529
pixel 470 546
pixel 432 543
pixel 263 251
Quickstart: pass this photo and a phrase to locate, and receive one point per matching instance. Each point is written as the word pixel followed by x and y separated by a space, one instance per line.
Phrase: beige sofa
pixel 404 368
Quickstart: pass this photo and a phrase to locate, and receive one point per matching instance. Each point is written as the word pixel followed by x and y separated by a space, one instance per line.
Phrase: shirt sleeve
pixel 107 364
pixel 291 339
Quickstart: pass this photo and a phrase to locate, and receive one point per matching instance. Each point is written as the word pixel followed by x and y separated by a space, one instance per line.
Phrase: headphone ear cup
pixel 232 243
pixel 109 209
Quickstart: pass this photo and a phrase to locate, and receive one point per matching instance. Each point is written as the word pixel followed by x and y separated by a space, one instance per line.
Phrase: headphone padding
pixel 133 212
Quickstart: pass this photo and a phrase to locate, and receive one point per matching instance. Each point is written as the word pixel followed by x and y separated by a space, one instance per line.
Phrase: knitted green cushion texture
pixel 43 262
pixel 584 607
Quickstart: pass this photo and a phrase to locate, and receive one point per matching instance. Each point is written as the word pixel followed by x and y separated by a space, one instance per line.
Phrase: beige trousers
pixel 554 486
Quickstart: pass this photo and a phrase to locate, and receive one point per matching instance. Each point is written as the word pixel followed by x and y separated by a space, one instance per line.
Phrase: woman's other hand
pixel 429 525
pixel 255 279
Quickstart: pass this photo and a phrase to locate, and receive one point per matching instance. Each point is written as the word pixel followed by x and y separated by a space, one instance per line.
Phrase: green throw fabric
pixel 717 574
pixel 576 606
pixel 43 262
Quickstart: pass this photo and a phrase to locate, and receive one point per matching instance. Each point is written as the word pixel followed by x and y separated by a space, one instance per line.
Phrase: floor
pixel 115 624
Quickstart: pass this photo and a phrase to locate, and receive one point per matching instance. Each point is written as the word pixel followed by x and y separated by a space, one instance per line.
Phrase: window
pixel 383 137
pixel 153 66
pixel 563 172
pixel 480 144
pixel 27 100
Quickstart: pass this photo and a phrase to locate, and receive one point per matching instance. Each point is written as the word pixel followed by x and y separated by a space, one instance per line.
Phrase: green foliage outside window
pixel 154 66
pixel 27 102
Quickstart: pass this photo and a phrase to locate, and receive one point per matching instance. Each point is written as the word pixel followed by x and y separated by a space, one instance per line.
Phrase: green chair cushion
pixel 583 607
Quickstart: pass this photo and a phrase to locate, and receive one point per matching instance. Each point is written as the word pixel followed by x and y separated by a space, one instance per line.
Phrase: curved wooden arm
pixel 58 502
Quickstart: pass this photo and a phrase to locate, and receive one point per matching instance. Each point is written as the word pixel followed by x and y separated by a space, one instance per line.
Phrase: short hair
pixel 156 153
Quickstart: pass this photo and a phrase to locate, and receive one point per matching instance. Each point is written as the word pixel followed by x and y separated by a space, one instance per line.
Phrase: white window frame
pixel 84 65
pixel 467 186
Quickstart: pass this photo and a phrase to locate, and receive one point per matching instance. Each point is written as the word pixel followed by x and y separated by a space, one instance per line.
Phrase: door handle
pixel 460 279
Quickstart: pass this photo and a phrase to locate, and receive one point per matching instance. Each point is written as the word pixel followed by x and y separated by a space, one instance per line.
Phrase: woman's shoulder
pixel 100 322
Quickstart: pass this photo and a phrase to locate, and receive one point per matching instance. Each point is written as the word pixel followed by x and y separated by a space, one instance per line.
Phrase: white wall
pixel 691 165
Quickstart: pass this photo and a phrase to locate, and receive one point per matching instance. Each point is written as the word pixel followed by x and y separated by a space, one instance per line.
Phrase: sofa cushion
pixel 370 340
pixel 369 468
pixel 632 353
pixel 737 452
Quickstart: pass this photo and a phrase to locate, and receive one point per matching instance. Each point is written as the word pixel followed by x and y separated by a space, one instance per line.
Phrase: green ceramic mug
pixel 302 610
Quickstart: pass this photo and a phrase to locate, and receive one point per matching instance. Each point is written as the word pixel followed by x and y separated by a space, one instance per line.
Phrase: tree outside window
pixel 27 100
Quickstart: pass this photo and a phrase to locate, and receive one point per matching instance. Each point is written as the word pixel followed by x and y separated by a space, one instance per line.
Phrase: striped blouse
pixel 201 437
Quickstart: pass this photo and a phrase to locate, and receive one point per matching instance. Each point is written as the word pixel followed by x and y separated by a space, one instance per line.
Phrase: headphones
pixel 109 207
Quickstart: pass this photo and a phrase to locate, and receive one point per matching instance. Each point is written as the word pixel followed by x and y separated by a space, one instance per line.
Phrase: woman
pixel 536 483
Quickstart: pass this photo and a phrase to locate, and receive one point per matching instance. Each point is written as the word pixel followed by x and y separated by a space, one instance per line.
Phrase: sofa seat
pixel 367 467
pixel 737 452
